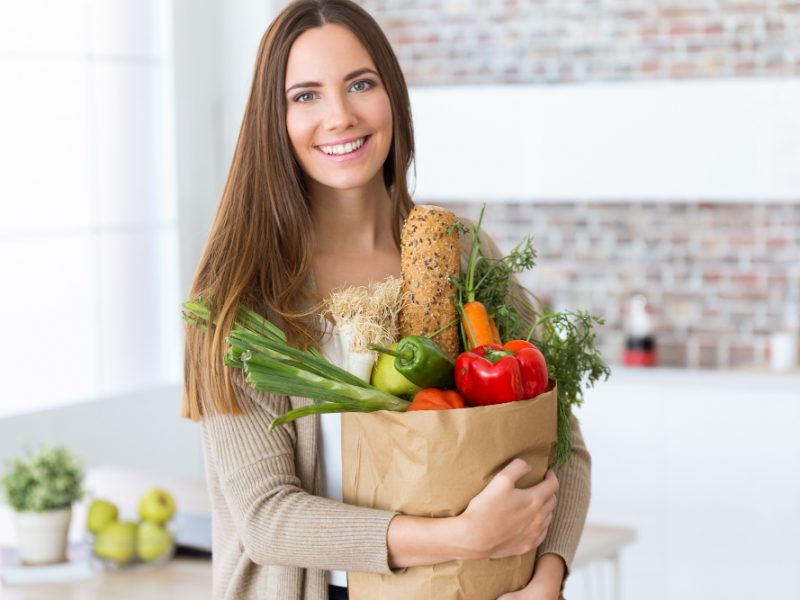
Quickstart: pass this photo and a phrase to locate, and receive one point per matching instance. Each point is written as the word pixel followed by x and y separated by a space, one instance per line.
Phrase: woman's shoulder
pixel 251 400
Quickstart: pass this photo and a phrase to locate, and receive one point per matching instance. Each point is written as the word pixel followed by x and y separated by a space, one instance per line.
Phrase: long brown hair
pixel 259 248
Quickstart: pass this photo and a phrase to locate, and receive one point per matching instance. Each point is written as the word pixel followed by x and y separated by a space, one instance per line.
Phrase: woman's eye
pixel 304 97
pixel 362 85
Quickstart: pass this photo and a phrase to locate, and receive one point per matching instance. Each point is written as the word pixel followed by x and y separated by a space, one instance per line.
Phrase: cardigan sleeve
pixel 573 495
pixel 276 520
pixel 574 478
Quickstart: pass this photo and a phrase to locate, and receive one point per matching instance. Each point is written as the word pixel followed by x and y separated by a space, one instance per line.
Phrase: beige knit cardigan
pixel 274 536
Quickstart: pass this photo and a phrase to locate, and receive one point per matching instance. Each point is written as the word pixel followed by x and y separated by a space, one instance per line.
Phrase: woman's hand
pixel 531 592
pixel 505 521
pixel 546 583
pixel 500 521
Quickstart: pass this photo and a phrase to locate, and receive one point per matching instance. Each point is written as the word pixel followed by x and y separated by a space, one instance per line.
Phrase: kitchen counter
pixel 191 578
pixel 180 578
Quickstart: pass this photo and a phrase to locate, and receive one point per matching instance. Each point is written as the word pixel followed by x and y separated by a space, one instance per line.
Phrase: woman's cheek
pixel 299 124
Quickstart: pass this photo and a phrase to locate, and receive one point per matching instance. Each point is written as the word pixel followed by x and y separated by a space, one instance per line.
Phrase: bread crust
pixel 430 255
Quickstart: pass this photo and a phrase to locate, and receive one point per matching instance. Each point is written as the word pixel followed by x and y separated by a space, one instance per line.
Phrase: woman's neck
pixel 353 239
pixel 354 221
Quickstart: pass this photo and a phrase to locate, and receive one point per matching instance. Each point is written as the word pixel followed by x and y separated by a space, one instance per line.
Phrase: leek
pixel 270 364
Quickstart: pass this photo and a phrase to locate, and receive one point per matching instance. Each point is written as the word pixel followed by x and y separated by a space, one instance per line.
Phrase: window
pixel 88 201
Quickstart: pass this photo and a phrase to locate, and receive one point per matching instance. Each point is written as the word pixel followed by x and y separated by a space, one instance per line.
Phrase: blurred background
pixel 652 150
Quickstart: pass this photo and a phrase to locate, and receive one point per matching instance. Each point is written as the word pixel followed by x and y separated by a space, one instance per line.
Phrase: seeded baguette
pixel 430 255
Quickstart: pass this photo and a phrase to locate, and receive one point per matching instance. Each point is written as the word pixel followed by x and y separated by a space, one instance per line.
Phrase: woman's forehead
pixel 326 53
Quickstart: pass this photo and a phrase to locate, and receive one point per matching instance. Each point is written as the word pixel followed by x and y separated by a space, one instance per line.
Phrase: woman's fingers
pixel 543 495
pixel 549 485
pixel 540 539
pixel 513 472
pixel 505 521
pixel 545 529
pixel 551 503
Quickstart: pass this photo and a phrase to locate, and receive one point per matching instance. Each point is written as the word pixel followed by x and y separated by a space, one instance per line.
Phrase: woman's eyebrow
pixel 348 77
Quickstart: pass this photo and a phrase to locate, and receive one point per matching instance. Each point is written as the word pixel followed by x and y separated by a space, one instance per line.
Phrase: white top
pixel 335 347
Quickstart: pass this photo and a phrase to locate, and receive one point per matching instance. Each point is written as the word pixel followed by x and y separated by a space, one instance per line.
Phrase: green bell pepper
pixel 387 378
pixel 422 362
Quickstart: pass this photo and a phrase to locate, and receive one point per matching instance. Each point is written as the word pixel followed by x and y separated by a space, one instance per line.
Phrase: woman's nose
pixel 339 113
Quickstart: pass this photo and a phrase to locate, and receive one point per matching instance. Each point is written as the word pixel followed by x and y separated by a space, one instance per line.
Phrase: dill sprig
pixel 568 341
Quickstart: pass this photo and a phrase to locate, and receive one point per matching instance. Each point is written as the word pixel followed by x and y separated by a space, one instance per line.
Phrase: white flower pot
pixel 43 535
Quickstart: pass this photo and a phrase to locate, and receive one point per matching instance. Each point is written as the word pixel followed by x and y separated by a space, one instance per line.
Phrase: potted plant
pixel 41 488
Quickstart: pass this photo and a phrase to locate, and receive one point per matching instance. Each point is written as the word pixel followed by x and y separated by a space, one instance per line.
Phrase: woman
pixel 314 200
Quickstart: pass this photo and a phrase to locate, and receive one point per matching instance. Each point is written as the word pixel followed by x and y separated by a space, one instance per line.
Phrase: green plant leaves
pixel 51 479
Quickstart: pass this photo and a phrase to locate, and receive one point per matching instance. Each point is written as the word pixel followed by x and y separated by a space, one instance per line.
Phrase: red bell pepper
pixel 488 375
pixel 494 374
pixel 433 399
pixel 532 366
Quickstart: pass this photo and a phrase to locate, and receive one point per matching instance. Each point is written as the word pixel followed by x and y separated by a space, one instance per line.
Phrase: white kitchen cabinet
pixel 704 465
pixel 730 140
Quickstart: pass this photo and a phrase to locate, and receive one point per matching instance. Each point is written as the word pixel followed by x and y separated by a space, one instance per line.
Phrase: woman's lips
pixel 350 156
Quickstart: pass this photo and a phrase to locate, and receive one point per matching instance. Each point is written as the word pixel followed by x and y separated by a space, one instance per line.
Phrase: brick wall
pixel 718 274
pixel 552 41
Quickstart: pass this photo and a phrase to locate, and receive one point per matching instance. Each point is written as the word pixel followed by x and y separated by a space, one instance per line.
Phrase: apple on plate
pixel 157 505
pixel 117 542
pixel 152 541
pixel 100 514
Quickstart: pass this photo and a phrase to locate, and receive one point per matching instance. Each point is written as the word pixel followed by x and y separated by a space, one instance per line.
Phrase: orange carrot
pixel 478 328
pixel 478 325
pixel 495 331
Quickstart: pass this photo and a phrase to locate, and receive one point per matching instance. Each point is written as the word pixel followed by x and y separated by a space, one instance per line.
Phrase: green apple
pixel 388 379
pixel 101 512
pixel 117 542
pixel 157 505
pixel 152 541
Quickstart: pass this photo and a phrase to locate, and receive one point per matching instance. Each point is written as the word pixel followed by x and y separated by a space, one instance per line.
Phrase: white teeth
pixel 343 148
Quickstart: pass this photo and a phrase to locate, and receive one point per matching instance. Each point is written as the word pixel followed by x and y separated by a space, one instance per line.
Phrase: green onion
pixel 270 364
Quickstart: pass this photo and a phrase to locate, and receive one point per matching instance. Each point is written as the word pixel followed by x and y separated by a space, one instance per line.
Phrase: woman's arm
pixel 546 582
pixel 500 521
pixel 256 488
pixel 573 502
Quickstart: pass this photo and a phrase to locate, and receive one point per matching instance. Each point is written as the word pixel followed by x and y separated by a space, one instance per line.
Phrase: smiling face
pixel 338 115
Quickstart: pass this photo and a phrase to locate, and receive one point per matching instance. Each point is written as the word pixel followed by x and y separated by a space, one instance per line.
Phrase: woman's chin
pixel 350 184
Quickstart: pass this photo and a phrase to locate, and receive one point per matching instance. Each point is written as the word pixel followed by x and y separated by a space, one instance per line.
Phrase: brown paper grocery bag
pixel 432 463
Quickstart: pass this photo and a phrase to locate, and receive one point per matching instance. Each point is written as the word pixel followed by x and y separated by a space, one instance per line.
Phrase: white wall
pixel 88 211
pixel 215 50
pixel 215 43
pixel 140 430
